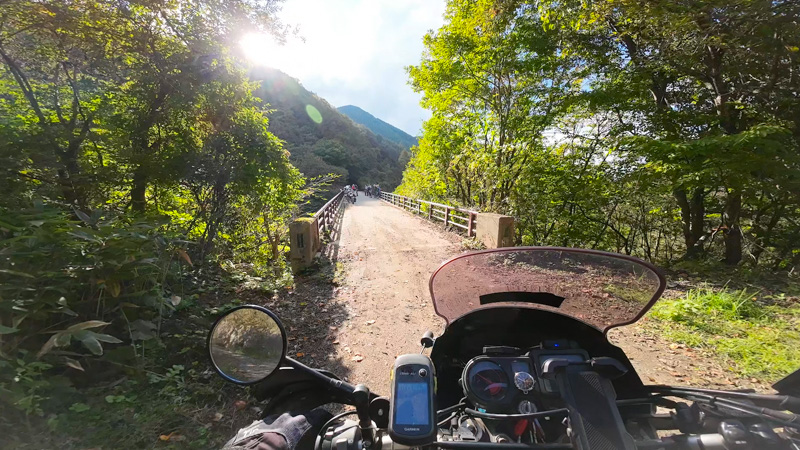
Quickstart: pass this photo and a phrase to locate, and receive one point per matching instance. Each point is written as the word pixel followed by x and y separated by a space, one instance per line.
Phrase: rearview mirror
pixel 247 344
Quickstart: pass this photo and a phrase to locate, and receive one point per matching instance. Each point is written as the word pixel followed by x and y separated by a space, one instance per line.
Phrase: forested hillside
pixel 320 139
pixel 378 126
pixel 659 129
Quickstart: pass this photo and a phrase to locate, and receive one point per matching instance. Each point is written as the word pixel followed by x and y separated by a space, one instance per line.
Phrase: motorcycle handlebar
pixel 709 441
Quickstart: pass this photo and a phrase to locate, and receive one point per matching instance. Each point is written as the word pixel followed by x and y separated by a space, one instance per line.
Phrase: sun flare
pixel 262 50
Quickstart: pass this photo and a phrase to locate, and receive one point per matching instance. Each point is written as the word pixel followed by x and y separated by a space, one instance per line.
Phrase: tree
pixel 494 82
pixel 705 78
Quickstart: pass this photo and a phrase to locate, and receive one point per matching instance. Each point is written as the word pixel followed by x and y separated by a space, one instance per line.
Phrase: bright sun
pixel 261 49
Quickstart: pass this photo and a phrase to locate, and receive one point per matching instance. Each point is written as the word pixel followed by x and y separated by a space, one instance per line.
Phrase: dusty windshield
pixel 600 289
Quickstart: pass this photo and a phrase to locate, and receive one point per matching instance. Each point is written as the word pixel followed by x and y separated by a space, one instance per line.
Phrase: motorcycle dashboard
pixel 513 384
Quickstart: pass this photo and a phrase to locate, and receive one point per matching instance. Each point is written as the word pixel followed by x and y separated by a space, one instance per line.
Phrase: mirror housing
pixel 247 344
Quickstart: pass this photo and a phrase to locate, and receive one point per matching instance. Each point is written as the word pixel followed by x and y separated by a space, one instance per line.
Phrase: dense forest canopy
pixel 661 129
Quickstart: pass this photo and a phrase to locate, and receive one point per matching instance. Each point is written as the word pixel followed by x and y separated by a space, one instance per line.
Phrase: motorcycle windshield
pixel 601 289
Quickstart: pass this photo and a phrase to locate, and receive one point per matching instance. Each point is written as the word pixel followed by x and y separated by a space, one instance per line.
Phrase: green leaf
pixel 86 325
pixel 7 330
pixel 92 344
pixel 81 215
pixel 79 407
pixel 106 338
pixel 16 273
pixel 74 364
pixel 47 346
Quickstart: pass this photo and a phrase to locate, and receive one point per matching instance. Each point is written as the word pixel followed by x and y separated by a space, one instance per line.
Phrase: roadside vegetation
pixel 755 336
pixel 141 191
pixel 663 130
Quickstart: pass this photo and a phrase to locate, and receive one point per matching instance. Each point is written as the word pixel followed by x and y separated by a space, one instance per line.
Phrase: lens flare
pixel 314 114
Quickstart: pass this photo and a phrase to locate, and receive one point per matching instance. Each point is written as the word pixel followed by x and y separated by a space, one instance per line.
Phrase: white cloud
pixel 355 52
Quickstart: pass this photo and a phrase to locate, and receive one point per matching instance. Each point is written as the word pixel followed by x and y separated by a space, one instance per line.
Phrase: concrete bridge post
pixel 495 230
pixel 304 242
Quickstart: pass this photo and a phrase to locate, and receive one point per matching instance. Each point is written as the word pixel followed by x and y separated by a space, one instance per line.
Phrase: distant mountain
pixel 378 126
pixel 320 139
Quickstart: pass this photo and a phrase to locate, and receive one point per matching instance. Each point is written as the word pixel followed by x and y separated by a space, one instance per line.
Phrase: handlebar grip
pixel 711 441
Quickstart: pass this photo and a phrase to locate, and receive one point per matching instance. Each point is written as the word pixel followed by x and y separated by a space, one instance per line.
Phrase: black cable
pixel 444 422
pixel 658 399
pixel 784 419
pixel 318 444
pixel 781 401
pixel 450 409
pixel 534 415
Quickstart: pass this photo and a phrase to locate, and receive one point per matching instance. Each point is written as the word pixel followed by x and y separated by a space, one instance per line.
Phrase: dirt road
pixel 383 305
pixel 387 256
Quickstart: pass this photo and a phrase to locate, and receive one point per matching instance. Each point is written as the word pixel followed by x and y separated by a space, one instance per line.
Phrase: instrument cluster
pixel 514 384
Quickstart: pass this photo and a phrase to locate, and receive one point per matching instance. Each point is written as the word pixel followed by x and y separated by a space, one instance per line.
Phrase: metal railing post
pixel 469 224
pixel 446 216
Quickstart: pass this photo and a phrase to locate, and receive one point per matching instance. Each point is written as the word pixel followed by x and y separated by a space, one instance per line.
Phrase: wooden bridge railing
pixel 450 215
pixel 326 216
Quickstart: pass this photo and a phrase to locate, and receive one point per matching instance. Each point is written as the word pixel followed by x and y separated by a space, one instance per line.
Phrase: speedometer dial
pixel 487 381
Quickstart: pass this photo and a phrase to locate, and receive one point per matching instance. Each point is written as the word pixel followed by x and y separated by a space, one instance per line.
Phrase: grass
pixel 756 336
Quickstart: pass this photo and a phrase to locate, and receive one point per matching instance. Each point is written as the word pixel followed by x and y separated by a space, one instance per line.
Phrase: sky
pixel 354 52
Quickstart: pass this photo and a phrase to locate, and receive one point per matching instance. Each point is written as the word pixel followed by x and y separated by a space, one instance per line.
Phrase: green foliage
pixel 139 171
pixel 756 340
pixel 654 129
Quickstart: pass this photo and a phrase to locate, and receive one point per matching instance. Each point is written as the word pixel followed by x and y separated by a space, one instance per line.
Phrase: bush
pixel 71 288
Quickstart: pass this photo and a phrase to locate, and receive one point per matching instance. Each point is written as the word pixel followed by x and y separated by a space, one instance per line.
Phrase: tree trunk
pixel 138 191
pixel 693 220
pixel 733 233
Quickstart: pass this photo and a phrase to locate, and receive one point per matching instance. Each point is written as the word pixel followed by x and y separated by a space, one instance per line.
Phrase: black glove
pixel 288 431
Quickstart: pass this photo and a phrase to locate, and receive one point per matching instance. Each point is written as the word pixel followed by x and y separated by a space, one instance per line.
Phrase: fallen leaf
pixel 347 349
pixel 370 322
pixel 333 328
pixel 300 354
pixel 175 300
pixel 336 342
pixel 240 405
pixel 217 417
pixel 357 358
pixel 172 437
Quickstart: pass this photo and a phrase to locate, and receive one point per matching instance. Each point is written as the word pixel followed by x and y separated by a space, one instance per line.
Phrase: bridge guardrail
pixel 326 216
pixel 450 215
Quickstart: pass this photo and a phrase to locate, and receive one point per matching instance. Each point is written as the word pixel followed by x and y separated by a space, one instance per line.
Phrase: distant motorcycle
pixel 524 363
pixel 349 195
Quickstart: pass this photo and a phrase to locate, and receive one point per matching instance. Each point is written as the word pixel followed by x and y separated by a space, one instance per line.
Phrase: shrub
pixel 70 288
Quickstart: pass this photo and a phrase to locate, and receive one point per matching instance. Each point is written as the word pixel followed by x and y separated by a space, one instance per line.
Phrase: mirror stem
pixel 343 387
pixel 361 400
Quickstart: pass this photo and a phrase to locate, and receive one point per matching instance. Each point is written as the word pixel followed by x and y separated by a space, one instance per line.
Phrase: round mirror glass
pixel 247 344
